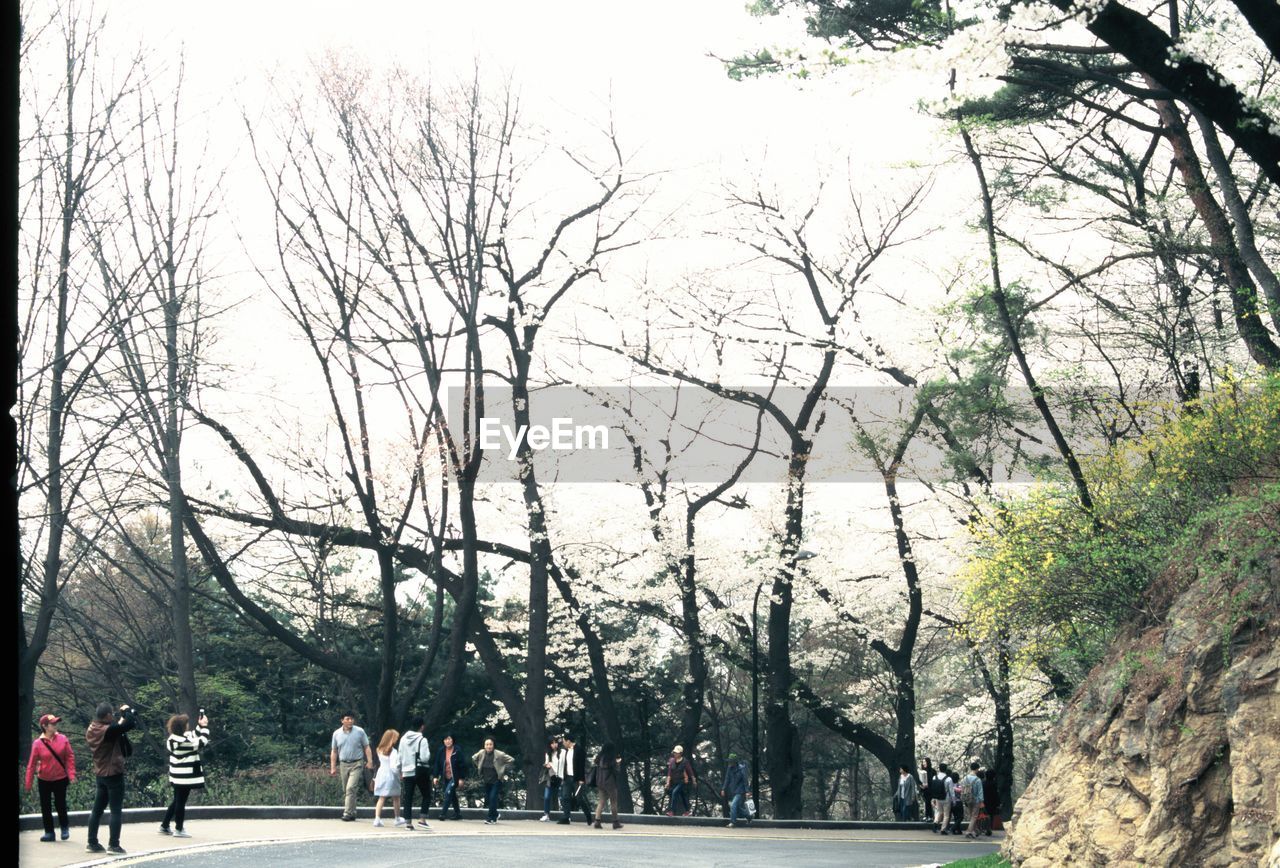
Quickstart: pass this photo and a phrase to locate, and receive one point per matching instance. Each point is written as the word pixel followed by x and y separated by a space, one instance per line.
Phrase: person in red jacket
pixel 53 762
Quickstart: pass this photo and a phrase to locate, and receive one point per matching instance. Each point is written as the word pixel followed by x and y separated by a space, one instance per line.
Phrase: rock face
pixel 1169 754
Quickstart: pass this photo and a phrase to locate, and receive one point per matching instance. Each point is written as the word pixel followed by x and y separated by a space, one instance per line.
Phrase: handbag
pixel 751 807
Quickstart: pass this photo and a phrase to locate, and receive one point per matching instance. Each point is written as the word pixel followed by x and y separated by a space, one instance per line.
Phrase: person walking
pixel 349 754
pixel 681 779
pixel 573 780
pixel 186 773
pixel 924 776
pixel 491 764
pixel 991 798
pixel 387 783
pixel 906 797
pixel 608 774
pixel 942 811
pixel 108 738
pixel 549 780
pixel 737 789
pixel 415 771
pixel 971 796
pixel 451 767
pixel 936 795
pixel 53 764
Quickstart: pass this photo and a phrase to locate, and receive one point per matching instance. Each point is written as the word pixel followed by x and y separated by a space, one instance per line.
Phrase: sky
pixel 650 67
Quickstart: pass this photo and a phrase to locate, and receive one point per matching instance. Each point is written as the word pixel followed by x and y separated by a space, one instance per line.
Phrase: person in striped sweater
pixel 185 771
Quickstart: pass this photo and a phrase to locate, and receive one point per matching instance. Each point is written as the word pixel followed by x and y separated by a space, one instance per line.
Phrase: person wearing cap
pixel 680 774
pixel 736 789
pixel 53 763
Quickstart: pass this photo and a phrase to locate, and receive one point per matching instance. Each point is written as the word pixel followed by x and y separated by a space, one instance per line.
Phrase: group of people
pixel 406 765
pixel 53 764
pixel 948 798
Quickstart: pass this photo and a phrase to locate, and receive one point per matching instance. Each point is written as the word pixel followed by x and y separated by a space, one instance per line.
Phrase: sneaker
pixel 66 833
pixel 687 814
pixel 178 833
pixel 165 830
pixel 94 847
pixel 400 822
pixel 408 827
pixel 669 814
pixel 545 818
pixel 491 822
pixel 377 821
pixel 115 849
pixel 48 836
pixel 731 825
pixel 422 824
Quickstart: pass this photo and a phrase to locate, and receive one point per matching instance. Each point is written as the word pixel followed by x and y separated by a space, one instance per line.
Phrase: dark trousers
pixel 568 800
pixel 51 793
pixel 492 796
pixel 450 795
pixel 110 794
pixel 177 808
pixel 421 781
pixel 679 801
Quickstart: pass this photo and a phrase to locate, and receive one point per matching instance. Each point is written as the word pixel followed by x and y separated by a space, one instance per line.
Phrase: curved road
pixel 637 849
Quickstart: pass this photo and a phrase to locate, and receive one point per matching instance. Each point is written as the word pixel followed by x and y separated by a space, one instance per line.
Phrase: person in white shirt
pixel 415 771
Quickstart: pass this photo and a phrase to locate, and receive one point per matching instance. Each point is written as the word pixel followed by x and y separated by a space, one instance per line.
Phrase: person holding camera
pixel 185 771
pixel 108 738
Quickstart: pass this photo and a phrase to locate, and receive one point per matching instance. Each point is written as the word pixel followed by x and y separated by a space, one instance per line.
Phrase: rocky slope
pixel 1169 754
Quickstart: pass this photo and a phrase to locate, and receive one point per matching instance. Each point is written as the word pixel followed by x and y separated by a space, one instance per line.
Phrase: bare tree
pixel 153 262
pixel 67 148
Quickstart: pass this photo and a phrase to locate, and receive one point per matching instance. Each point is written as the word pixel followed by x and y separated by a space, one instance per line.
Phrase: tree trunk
pixel 1244 293
pixel 786 772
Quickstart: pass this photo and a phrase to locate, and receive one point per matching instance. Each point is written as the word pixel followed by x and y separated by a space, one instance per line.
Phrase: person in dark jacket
pixel 736 789
pixel 681 780
pixel 451 767
pixel 924 776
pixel 108 738
pixel 572 771
pixel 608 767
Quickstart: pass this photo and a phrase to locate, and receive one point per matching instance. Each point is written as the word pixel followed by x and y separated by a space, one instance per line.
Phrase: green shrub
pixel 1064 579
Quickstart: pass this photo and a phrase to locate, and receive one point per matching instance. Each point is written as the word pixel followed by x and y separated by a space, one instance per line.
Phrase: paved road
pixel 509 848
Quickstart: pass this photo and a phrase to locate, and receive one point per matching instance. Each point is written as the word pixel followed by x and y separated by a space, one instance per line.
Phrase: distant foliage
pixel 1065 579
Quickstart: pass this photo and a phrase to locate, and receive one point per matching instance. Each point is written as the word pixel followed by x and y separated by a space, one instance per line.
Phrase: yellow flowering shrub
pixel 1063 579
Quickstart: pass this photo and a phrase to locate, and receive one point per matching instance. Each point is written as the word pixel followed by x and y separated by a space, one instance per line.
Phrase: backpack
pixel 965 792
pixel 937 788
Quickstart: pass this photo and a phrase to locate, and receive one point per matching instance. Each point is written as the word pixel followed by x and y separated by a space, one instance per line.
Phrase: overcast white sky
pixel 574 63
